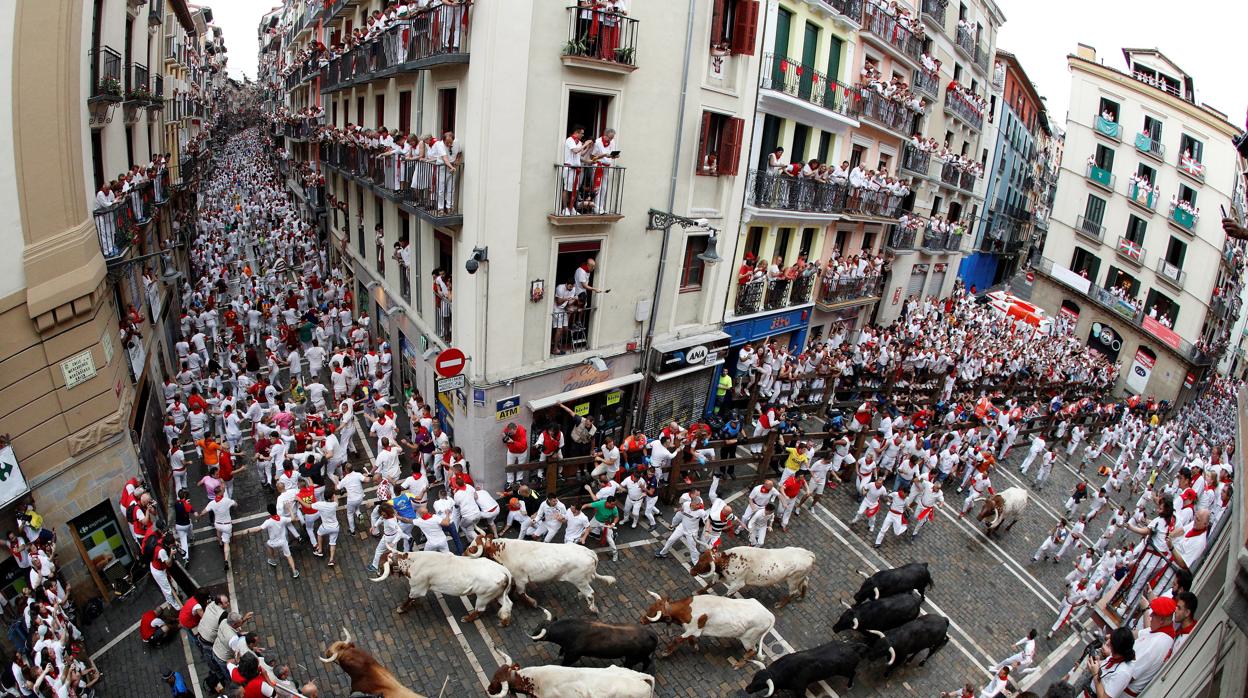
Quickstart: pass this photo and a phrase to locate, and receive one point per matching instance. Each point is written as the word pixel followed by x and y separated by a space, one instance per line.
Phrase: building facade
pixel 1143 159
pixel 470 251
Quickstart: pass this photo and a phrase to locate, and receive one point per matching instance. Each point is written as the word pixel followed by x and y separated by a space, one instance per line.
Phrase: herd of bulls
pixel 884 622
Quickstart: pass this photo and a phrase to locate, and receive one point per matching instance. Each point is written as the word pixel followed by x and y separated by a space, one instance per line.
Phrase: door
pixel 937 281
pixel 771 139
pixel 810 42
pixel 834 58
pixel 917 277
pixel 784 19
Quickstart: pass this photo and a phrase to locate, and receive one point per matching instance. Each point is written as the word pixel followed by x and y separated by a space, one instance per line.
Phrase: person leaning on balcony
pixel 775 162
pixel 104 198
pixel 745 274
pixel 565 300
pixel 574 147
pixel 841 174
pixel 446 155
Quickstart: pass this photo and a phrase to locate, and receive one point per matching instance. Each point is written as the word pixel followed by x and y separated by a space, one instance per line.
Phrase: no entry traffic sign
pixel 450 363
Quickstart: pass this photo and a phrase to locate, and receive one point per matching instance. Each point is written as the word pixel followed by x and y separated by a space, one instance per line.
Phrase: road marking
pixel 190 664
pixel 463 641
pixel 1034 585
pixel 875 568
pixel 118 638
pixel 1050 661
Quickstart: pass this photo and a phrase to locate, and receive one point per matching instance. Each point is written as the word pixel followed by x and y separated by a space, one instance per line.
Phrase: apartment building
pixel 1017 132
pixel 86 299
pixel 471 251
pixel 1147 172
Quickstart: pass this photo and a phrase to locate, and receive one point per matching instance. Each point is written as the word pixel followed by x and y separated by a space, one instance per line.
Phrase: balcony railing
pixel 882 111
pixel 112 225
pixel 1169 273
pixel 966 180
pixel 850 9
pixel 965 41
pixel 934 11
pixel 787 193
pixel 1185 220
pixel 1138 196
pixel 1149 146
pixel 570 329
pixel 807 84
pixel 105 74
pixel 1190 167
pixel 1101 176
pixel 1089 228
pixel 605 37
pixel 1131 250
pixel 588 194
pixel 876 20
pixel 834 291
pixel 900 238
pixel 438 35
pixel 1107 128
pixel 915 160
pixel 434 186
pixel 950 174
pixel 137 80
pixel 941 241
pixel 158 89
pixel 927 83
pixel 773 294
pixel 960 107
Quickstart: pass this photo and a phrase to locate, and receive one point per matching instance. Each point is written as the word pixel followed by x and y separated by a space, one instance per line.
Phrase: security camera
pixel 702 223
pixel 479 255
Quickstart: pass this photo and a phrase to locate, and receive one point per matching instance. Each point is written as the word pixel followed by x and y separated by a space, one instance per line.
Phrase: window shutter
pixel 704 145
pixel 745 29
pixel 730 146
pixel 717 22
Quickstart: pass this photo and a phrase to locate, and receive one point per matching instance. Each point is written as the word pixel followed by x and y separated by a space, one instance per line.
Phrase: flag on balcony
pixel 1129 248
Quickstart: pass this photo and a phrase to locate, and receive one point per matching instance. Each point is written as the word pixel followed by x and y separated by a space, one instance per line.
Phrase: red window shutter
pixel 704 145
pixel 730 146
pixel 717 22
pixel 745 29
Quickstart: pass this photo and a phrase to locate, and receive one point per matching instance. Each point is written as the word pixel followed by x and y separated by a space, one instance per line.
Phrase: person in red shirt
pixel 226 470
pixel 193 610
pixel 154 629
pixel 791 489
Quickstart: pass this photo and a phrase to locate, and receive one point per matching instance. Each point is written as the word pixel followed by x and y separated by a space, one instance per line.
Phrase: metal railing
pixel 1159 84
pixel 927 83
pixel 439 34
pixel 833 290
pixel 876 20
pixel 137 80
pixel 1131 250
pixel 105 73
pixel 915 160
pixel 807 84
pixel 433 186
pixel 1183 219
pixel 960 107
pixel 112 226
pixel 749 298
pixel 158 89
pixel 773 294
pixel 965 41
pixel 882 111
pixel 950 174
pixel 601 36
pixel 588 190
pixel 1150 146
pixel 1171 273
pixel 1191 168
pixel 570 329
pixel 1107 128
pixel 778 191
pixel 850 9
pixel 900 238
pixel 966 180
pixel 935 11
pixel 1089 228
pixel 1140 197
pixel 1100 176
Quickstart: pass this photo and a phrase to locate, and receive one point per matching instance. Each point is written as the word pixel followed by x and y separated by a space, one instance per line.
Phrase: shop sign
pixel 12 482
pixel 581 410
pixel 1161 332
pixel 613 397
pixel 758 328
pixel 585 375
pixel 78 369
pixel 101 536
pixel 507 408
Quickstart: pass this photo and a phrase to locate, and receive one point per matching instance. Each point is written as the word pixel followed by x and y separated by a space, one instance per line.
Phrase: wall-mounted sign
pixel 581 410
pixel 12 482
pixel 446 385
pixel 507 408
pixel 106 341
pixel 614 396
pixel 78 369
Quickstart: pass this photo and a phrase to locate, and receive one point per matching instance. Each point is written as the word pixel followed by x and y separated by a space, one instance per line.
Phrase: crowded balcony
pixel 788 193
pixel 927 83
pixel 428 188
pixel 877 109
pixel 797 91
pixel 1100 176
pixel 1171 274
pixel 766 295
pixel 950 174
pixel 915 160
pixel 1191 167
pixel 835 291
pixel 1107 127
pixel 1183 216
pixel 1093 230
pixel 588 195
pixel 886 31
pixel 335 8
pixel 116 228
pixel 966 180
pixel 961 107
pixel 902 237
pixel 600 40
pixel 436 36
pixel 936 239
pixel 571 323
pixel 1142 195
pixel 849 10
pixel 1131 250
pixel 934 13
pixel 1150 146
pixel 966 42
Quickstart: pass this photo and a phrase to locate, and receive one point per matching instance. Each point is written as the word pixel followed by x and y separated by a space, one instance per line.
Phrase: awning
pixel 695 340
pixel 543 403
pixel 687 369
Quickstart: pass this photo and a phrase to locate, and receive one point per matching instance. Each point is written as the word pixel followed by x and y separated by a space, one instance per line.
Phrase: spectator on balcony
pixel 442 297
pixel 446 156
pixel 840 175
pixel 775 162
pixel 574 149
pixel 418 156
pixel 565 303
pixel 601 154
pixel 105 198
pixel 581 285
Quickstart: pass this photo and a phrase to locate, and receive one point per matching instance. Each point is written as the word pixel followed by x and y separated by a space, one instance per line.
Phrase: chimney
pixel 1086 52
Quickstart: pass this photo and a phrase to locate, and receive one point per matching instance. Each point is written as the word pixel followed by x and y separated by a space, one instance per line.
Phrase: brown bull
pixel 367 676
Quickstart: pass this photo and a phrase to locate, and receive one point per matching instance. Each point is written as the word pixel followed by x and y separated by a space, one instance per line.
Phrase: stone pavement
pixel 988 588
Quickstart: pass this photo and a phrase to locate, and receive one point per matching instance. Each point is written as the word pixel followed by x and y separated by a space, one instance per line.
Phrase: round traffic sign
pixel 450 363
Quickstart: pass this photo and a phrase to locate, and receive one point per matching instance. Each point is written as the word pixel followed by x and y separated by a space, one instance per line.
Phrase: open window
pixel 719 146
pixel 589 110
pixel 734 26
pixel 692 269
pixel 1109 110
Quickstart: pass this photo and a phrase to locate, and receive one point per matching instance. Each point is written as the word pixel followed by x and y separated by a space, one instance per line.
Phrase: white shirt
pixel 220 509
pixel 275 528
pixel 431 527
pixel 1151 650
pixel 353 484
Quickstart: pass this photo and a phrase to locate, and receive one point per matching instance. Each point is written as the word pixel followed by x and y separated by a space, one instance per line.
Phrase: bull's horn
pixel 546 612
pixel 541 634
pixel 655 619
pixel 892 656
pixel 760 664
pixel 477 530
pixel 877 592
pixel 771 688
pixel 845 603
pixel 876 632
pixel 864 574
pixel 506 657
pixel 346 635
pixel 656 596
pixel 855 625
pixel 385 572
pixel 330 659
pixel 504 690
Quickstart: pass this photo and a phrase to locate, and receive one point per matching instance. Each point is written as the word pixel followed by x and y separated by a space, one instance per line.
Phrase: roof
pixel 1126 54
pixel 1215 117
pixel 1012 60
pixel 183 13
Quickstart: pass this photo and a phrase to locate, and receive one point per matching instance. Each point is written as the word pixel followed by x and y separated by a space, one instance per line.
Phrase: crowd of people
pixel 895 89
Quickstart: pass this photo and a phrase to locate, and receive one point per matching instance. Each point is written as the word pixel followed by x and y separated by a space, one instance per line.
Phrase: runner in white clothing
pixel 276 544
pixel 433 530
pixel 327 509
pixel 219 509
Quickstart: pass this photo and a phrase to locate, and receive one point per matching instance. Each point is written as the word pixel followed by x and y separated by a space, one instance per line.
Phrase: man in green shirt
pixel 721 390
pixel 603 515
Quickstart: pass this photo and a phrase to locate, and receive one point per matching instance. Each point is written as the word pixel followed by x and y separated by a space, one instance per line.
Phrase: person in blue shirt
pixel 177 685
pixel 730 432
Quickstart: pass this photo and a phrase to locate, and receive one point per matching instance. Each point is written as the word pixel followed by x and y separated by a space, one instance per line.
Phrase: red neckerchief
pixel 1194 532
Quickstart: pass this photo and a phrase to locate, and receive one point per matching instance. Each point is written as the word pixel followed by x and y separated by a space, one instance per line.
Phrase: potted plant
pixel 110 86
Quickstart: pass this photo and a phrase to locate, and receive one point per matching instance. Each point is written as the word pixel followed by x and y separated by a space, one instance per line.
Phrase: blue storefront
pixel 787 328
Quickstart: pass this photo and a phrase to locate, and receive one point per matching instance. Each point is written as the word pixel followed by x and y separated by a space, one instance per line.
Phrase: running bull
pixel 895 581
pixel 569 682
pixel 929 632
pixel 576 638
pixel 367 676
pixel 880 614
pixel 798 670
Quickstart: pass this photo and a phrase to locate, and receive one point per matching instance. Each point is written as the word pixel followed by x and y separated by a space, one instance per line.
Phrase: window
pixel 734 25
pixel 588 110
pixel 1146 172
pixel 868 241
pixel 1104 157
pixel 1095 209
pixel 1176 252
pixel 571 329
pixel 447 100
pixel 801 134
pixel 936 204
pixel 957 72
pixel 825 145
pixel 754 241
pixel 333 112
pixel 1135 230
pixel 1187 194
pixel 379 231
pixel 1085 263
pixel 1109 109
pixel 1160 306
pixel 405 111
pixel 808 239
pixel 1152 128
pixel 1190 147
pixel 97 157
pixel 856 154
pixel 693 269
pixel 885 163
pixel 130 146
pixel 785 235
pixel 359 111
pixel 719 146
pixel 379 110
pixel 1118 278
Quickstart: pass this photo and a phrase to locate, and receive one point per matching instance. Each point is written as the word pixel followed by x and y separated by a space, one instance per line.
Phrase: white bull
pixel 746 620
pixel 744 566
pixel 534 562
pixel 1003 508
pixel 552 681
pixel 444 573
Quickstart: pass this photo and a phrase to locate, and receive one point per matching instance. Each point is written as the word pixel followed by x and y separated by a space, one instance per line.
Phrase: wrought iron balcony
pixel 890 33
pixel 849 9
pixel 881 111
pixel 434 37
pixel 1171 274
pixel 587 195
pixel 765 295
pixel 960 107
pixel 965 41
pixel 1144 199
pixel 803 82
pixel 927 83
pixel 1110 129
pixel 934 12
pixel 915 160
pixel 1151 147
pixel 1090 229
pixel 1191 167
pixel 1185 220
pixel 966 180
pixel 950 174
pixel 114 227
pixel 601 40
pixel 1131 250
pixel 1101 177
pixel 785 193
pixel 900 238
pixel 840 291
